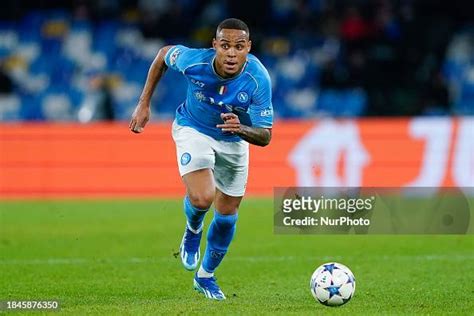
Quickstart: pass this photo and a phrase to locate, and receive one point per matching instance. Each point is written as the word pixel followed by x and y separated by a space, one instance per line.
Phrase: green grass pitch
pixel 104 256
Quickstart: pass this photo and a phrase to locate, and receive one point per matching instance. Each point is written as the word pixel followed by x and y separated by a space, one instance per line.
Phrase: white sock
pixel 203 273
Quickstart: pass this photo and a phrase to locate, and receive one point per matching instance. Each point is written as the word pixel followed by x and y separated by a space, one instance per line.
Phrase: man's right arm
pixel 142 112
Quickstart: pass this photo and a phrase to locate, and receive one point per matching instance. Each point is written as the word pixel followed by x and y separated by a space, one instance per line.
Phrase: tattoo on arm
pixel 255 135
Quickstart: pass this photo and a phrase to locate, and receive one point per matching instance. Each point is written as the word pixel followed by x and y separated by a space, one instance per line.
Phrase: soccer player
pixel 228 105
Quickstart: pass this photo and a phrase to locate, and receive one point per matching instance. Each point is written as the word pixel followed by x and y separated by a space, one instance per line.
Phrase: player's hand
pixel 140 117
pixel 231 123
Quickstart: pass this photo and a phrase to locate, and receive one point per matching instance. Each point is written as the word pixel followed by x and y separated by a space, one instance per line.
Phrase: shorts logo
pixel 185 159
pixel 174 56
pixel 242 97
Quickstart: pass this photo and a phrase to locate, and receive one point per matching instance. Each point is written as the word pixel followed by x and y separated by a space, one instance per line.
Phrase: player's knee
pixel 201 200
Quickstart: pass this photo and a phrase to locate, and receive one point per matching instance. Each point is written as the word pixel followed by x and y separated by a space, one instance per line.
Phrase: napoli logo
pixel 185 159
pixel 242 97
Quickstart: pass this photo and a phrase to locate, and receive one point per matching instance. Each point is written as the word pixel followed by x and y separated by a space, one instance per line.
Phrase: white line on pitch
pixel 137 260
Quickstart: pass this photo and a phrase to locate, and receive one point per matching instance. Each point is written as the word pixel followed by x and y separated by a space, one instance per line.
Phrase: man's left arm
pixel 254 135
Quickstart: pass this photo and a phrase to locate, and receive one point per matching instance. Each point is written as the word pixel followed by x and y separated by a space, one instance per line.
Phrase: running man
pixel 228 105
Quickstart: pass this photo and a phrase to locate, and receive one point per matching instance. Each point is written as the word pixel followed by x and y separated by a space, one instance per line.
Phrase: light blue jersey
pixel 248 94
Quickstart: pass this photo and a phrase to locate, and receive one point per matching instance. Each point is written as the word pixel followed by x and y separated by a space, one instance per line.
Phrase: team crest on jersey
pixel 185 159
pixel 174 56
pixel 242 97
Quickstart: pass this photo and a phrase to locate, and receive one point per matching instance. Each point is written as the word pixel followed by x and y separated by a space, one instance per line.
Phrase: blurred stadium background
pixel 87 60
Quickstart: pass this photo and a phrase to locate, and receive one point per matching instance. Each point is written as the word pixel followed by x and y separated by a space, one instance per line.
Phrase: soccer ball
pixel 332 284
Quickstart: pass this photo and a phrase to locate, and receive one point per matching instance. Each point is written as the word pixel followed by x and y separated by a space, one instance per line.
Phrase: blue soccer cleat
pixel 209 288
pixel 189 249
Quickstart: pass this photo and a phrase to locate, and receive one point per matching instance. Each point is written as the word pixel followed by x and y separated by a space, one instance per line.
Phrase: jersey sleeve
pixel 179 57
pixel 261 108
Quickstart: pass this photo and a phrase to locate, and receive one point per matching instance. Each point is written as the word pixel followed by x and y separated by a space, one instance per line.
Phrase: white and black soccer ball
pixel 332 284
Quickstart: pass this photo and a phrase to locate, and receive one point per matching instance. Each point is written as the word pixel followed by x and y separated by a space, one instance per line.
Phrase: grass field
pixel 102 257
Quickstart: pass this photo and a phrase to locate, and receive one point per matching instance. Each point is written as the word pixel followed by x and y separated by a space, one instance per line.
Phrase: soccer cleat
pixel 209 288
pixel 189 249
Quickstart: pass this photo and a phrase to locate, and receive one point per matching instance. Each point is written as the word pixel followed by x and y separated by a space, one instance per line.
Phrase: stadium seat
pixel 465 104
pixel 31 107
pixel 10 108
pixel 354 103
pixel 54 48
pixel 57 107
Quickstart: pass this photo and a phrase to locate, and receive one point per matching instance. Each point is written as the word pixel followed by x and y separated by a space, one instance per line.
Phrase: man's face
pixel 232 47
